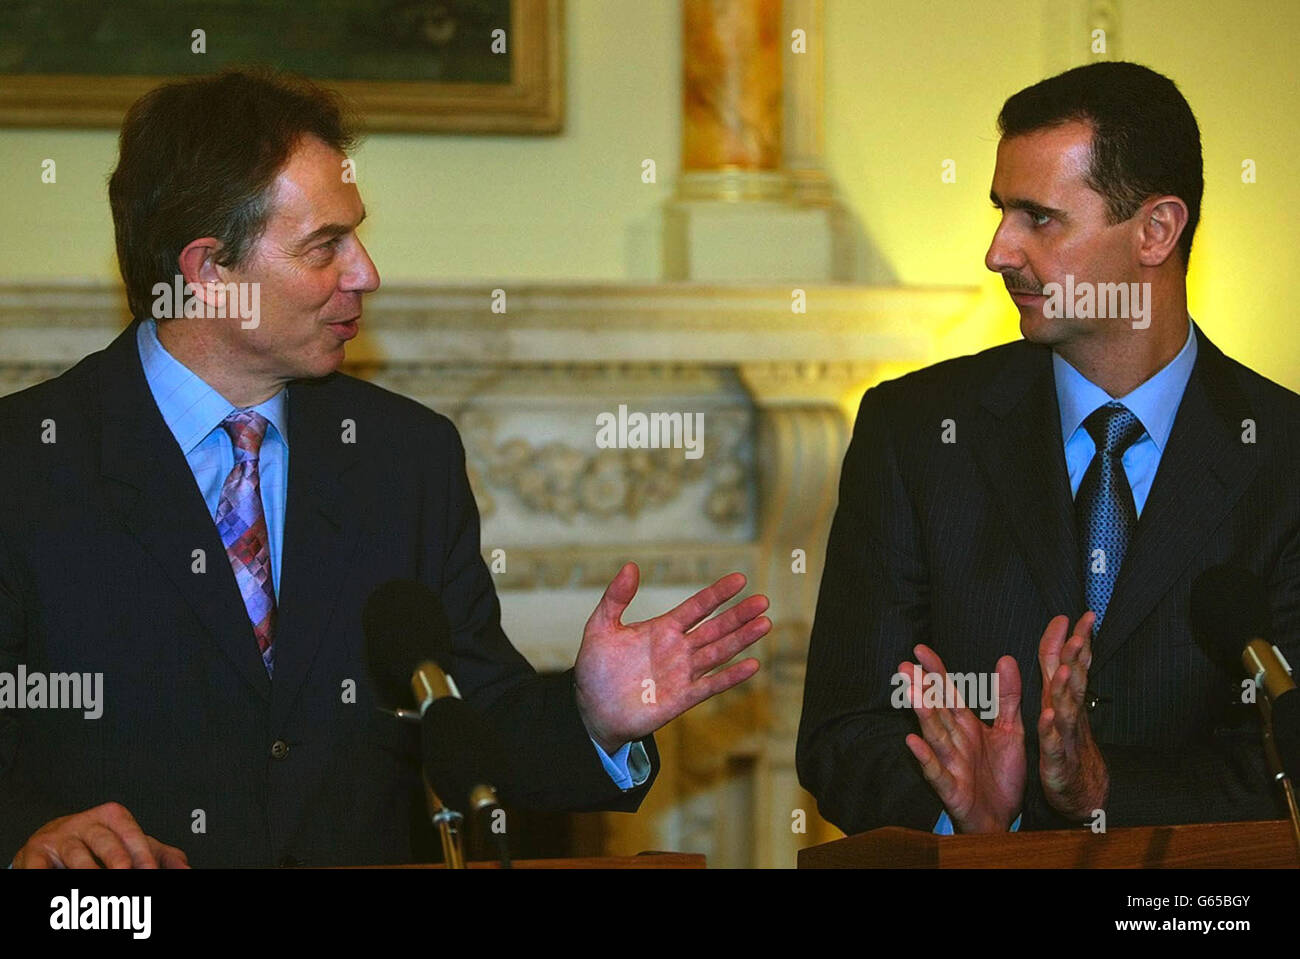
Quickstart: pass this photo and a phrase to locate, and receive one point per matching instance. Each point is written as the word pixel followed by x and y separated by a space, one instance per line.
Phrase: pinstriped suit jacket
pixel 970 547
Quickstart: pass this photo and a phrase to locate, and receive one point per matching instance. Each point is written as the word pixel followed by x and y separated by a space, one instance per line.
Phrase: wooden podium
pixel 1233 845
pixel 645 860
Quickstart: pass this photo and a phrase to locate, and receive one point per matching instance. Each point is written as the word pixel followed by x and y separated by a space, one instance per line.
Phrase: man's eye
pixel 1039 219
pixel 331 245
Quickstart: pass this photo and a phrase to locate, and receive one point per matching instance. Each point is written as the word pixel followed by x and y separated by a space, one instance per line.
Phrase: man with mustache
pixel 1042 508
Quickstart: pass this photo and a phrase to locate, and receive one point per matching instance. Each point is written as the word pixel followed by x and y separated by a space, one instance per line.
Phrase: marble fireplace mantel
pixel 58 322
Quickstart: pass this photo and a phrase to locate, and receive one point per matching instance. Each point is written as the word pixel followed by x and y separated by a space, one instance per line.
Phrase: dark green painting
pixel 429 41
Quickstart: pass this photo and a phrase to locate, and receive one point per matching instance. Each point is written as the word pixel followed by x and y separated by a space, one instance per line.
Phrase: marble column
pixel 803 131
pixel 752 201
pixel 731 99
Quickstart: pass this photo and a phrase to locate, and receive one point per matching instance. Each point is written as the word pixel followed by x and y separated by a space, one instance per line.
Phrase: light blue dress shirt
pixel 194 411
pixel 1154 403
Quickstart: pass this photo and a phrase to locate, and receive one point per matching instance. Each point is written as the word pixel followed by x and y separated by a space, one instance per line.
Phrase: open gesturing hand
pixel 632 678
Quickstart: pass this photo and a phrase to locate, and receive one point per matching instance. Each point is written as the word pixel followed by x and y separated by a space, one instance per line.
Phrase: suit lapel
pixel 1023 458
pixel 149 483
pixel 1203 471
pixel 320 531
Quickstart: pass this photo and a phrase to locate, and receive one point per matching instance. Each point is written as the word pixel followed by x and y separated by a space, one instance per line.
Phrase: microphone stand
pixel 1279 772
pixel 1255 658
pixel 448 822
pixel 483 804
pixel 483 801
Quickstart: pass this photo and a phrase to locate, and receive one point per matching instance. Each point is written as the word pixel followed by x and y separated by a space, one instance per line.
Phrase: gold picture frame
pixel 531 102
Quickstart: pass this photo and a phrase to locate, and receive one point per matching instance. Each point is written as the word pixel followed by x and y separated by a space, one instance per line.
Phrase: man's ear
pixel 1163 220
pixel 197 264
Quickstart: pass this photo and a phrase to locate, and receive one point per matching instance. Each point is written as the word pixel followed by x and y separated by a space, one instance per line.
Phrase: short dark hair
pixel 198 157
pixel 1145 141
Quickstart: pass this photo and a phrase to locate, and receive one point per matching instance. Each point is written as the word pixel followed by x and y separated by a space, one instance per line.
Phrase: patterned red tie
pixel 242 526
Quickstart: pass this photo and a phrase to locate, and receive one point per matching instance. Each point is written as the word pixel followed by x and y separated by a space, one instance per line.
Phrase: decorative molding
pixel 563 480
pixel 684 564
pixel 716 325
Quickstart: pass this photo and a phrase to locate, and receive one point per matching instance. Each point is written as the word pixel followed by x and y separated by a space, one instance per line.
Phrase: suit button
pixel 279 749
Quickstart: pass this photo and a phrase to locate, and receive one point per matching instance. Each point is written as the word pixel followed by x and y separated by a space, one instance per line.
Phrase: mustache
pixel 1017 282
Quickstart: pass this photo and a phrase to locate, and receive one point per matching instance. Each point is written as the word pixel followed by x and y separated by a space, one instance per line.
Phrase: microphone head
pixel 404 624
pixel 460 752
pixel 1229 609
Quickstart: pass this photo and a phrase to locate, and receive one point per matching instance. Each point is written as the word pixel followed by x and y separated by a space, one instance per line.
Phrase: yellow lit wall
pixel 907 87
pixel 911 85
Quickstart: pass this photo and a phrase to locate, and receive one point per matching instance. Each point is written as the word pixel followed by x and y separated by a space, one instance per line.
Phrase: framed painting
pixel 411 65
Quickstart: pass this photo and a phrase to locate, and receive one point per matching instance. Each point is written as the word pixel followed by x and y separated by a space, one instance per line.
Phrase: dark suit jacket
pixel 970 548
pixel 98 532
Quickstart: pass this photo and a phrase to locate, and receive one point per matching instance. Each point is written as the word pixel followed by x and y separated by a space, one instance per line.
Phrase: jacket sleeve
pixel 550 760
pixel 872 609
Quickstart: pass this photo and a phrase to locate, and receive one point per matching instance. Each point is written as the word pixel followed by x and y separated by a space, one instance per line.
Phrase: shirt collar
pixel 190 407
pixel 1154 403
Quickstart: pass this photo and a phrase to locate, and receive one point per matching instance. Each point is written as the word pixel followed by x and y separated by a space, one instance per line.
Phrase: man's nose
pixel 1004 253
pixel 361 276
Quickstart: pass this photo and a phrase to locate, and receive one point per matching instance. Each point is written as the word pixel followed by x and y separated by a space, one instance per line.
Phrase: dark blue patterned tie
pixel 1104 504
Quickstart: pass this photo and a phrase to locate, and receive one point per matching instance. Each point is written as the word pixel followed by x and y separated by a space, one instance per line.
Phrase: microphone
pixel 459 755
pixel 1230 611
pixel 407 641
pixel 407 651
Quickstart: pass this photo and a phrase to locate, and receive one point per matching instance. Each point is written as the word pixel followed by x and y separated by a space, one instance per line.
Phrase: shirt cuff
pixel 944 826
pixel 629 767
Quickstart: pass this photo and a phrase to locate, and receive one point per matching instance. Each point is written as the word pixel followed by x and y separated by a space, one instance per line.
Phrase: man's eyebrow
pixel 329 230
pixel 1029 206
